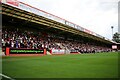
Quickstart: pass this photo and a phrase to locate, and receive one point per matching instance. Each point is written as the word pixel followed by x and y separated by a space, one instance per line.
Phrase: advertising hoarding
pixel 58 51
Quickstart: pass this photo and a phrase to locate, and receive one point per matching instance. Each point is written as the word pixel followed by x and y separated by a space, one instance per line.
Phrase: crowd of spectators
pixel 26 39
pixel 36 40
pixel 85 47
pixel 77 46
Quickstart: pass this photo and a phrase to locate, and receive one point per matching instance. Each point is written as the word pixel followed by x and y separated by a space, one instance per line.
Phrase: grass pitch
pixel 100 65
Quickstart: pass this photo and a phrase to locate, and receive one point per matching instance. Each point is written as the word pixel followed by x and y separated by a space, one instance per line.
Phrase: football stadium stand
pixel 24 38
pixel 26 27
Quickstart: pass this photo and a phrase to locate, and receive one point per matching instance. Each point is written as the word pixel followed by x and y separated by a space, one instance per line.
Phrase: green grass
pixel 100 65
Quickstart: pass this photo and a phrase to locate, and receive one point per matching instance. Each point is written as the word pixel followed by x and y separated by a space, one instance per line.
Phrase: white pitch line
pixel 6 76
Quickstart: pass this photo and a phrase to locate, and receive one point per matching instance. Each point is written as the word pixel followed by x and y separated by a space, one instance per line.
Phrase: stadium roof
pixel 25 12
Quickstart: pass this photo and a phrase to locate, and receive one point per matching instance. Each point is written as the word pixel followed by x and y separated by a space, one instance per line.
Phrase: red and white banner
pixel 13 2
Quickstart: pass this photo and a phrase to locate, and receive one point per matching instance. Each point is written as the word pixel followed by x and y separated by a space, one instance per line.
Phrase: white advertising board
pixel 58 51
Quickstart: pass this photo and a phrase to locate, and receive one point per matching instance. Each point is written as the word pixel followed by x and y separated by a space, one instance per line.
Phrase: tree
pixel 116 37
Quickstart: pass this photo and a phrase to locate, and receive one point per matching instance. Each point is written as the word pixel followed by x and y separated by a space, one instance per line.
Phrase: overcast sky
pixel 96 15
